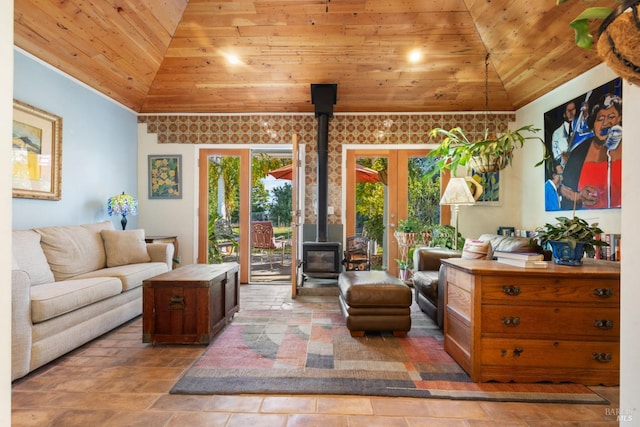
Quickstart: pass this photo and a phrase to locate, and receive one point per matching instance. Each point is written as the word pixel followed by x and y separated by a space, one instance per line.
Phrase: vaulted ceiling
pixel 171 56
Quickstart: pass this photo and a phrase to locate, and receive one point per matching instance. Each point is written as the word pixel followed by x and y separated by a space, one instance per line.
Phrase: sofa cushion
pixel 29 256
pixel 125 247
pixel 477 249
pixel 507 243
pixel 131 275
pixel 74 250
pixel 54 299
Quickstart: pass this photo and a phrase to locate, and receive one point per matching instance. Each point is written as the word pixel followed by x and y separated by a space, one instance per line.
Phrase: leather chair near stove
pixel 427 282
pixel 427 274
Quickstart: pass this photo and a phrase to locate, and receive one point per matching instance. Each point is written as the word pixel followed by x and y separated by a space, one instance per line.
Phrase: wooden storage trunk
pixel 189 305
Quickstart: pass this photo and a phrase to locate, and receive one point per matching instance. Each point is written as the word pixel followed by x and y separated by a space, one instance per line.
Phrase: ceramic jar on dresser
pixel 556 324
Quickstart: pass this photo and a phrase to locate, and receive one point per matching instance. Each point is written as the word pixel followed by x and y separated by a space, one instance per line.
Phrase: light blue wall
pixel 99 148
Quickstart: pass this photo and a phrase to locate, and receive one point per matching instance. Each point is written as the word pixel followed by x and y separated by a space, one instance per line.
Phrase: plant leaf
pixel 581 25
pixel 581 29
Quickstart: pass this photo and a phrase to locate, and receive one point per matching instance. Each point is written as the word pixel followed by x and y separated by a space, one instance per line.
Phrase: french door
pixel 296 215
pixel 242 175
pixel 400 171
pixel 232 186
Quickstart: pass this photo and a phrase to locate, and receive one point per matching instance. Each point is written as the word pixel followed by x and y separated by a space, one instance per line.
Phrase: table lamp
pixel 459 194
pixel 122 204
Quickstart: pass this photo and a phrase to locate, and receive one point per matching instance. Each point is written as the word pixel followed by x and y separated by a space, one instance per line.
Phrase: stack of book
pixel 611 252
pixel 521 259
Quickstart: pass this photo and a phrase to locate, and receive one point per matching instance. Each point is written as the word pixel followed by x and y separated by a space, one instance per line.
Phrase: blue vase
pixel 564 254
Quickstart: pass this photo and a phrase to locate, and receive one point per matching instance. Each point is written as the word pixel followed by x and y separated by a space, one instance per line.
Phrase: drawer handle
pixel 511 290
pixel 603 292
pixel 516 352
pixel 602 357
pixel 511 321
pixel 603 324
pixel 176 302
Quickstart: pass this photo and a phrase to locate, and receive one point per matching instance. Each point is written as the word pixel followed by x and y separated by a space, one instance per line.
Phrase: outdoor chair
pixel 262 238
pixel 225 240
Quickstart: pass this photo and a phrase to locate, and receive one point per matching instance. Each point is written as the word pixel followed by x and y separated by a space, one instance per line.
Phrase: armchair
pixel 427 281
pixel 427 276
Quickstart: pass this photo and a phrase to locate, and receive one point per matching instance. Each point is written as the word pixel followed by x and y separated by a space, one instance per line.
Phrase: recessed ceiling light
pixel 233 59
pixel 415 56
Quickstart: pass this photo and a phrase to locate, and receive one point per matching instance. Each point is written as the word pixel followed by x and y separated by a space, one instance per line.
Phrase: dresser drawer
pixel 551 322
pixel 552 354
pixel 515 290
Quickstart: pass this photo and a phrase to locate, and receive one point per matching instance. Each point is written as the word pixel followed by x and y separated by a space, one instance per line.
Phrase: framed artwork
pixel 589 120
pixel 36 153
pixel 165 176
pixel 492 191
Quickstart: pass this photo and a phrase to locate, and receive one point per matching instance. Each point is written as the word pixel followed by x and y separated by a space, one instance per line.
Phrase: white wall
pixel 527 185
pixel 99 147
pixel 526 188
pixel 170 217
pixel 630 294
pixel 522 204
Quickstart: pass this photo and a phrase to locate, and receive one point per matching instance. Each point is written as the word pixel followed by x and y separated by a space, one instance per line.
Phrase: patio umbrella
pixel 363 174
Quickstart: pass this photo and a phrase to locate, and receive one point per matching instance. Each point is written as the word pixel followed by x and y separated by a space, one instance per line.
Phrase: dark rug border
pixel 353 387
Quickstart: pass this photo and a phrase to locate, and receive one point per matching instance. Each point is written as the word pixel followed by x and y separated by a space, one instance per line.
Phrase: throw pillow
pixel 74 249
pixel 477 249
pixel 125 247
pixel 29 256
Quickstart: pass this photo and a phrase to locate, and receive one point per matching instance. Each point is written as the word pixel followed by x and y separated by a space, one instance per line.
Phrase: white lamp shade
pixel 457 193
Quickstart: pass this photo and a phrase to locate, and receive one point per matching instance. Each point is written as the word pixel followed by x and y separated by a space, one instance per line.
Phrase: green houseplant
pixel 485 155
pixel 569 239
pixel 407 230
pixel 406 234
pixel 580 24
pixel 404 269
pixel 443 236
pixel 618 36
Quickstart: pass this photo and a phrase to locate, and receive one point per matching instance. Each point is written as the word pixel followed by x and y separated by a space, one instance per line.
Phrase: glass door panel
pixel 221 236
pixel 271 205
pixel 406 189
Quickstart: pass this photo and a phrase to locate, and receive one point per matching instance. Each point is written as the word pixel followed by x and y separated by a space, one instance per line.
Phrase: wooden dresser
pixel 557 324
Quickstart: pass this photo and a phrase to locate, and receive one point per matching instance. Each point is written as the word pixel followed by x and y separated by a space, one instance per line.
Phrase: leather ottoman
pixel 374 301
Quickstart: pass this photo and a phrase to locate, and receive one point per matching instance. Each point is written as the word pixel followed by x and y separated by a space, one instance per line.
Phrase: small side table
pixel 166 239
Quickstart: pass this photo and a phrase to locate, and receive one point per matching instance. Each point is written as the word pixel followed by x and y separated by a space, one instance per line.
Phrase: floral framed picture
pixel 165 176
pixel 36 153
pixel 492 190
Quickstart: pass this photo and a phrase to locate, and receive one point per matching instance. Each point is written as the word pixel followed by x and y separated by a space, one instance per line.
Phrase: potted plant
pixel 443 236
pixel 403 267
pixel 406 232
pixel 569 239
pixel 485 155
pixel 618 36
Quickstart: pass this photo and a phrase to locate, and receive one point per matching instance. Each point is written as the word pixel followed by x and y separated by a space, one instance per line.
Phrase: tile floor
pixel 117 380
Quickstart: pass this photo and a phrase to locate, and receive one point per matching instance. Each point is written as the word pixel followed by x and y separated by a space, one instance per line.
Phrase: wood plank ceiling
pixel 172 56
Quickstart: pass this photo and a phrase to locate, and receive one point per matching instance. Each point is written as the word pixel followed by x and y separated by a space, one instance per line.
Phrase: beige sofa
pixel 71 284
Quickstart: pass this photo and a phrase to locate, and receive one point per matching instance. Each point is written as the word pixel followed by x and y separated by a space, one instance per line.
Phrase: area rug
pixel 310 351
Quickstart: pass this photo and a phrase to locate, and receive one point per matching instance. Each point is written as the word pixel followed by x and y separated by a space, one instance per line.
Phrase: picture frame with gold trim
pixel 36 153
